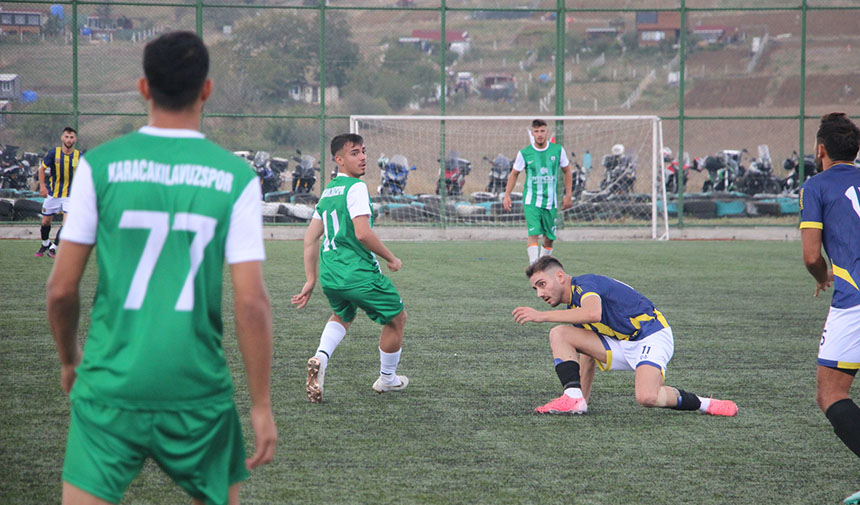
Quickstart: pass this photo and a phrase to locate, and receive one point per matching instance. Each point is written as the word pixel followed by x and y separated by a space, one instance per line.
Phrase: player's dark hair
pixel 175 65
pixel 343 139
pixel 538 122
pixel 839 135
pixel 70 129
pixel 543 264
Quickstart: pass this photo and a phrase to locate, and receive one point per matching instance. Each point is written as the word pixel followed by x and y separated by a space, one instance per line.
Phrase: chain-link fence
pixel 739 86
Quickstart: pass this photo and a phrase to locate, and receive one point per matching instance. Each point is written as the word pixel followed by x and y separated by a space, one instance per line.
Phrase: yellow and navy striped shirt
pixel 626 314
pixel 62 168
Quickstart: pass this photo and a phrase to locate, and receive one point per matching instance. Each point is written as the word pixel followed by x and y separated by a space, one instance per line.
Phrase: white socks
pixel 545 252
pixel 533 250
pixel 388 365
pixel 331 336
pixel 706 402
pixel 573 392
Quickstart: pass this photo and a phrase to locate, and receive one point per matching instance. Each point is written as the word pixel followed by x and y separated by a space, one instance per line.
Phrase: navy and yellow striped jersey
pixel 62 168
pixel 626 313
pixel 830 202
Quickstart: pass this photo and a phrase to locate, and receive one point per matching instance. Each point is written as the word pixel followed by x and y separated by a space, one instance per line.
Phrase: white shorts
pixel 840 340
pixel 656 350
pixel 54 205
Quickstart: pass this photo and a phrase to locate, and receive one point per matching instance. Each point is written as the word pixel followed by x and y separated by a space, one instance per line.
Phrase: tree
pixel 281 49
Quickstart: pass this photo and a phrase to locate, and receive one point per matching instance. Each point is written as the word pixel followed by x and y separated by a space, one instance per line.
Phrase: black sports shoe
pixel 42 250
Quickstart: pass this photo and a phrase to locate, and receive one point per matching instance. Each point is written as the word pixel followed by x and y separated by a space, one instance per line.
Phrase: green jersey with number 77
pixel 165 208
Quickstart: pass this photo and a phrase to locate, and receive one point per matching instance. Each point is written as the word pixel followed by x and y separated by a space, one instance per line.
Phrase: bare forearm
pixel 254 331
pixel 818 269
pixel 372 242
pixel 512 182
pixel 63 315
pixel 311 258
pixel 568 180
pixel 570 316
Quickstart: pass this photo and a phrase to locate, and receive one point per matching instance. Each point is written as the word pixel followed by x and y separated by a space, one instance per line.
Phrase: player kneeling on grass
pixel 350 274
pixel 612 323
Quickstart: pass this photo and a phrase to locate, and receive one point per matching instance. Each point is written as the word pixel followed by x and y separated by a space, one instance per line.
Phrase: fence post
pixel 682 77
pixel 322 96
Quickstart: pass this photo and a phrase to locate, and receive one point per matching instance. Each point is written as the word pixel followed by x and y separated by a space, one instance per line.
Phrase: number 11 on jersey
pixel 328 241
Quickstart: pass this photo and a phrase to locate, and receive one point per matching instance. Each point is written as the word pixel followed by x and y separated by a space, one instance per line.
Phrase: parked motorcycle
pixel 14 172
pixel 675 182
pixel 456 170
pixel 759 177
pixel 500 171
pixel 792 183
pixel 395 172
pixel 620 172
pixel 304 173
pixel 723 170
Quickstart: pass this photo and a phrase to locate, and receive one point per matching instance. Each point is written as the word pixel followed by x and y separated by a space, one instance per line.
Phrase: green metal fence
pixel 723 74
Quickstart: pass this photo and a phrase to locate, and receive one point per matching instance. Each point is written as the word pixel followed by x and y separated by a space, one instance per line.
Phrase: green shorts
pixel 540 221
pixel 202 450
pixel 378 299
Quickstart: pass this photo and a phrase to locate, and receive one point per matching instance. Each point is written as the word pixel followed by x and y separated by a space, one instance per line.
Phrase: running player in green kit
pixel 167 208
pixel 349 272
pixel 541 162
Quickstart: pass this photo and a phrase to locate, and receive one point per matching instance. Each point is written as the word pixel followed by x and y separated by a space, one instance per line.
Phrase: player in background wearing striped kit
pixel 541 161
pixel 62 163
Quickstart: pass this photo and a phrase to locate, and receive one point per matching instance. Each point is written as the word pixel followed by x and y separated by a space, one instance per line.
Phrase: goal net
pixel 453 169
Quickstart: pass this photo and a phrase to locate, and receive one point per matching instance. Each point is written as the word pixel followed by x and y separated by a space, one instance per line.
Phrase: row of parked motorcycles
pixel 16 170
pixel 727 171
pixel 272 171
pixel 619 177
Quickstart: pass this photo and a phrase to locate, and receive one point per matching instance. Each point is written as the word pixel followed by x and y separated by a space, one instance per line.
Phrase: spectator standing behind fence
pixel 830 216
pixel 167 208
pixel 541 161
pixel 62 163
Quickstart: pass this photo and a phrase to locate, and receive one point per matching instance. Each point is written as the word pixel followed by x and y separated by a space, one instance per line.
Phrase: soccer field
pixel 746 328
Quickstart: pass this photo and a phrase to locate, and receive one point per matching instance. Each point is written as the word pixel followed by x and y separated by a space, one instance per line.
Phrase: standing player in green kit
pixel 167 208
pixel 541 161
pixel 349 272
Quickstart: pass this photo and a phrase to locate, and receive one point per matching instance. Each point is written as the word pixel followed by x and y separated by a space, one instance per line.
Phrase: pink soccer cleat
pixel 564 405
pixel 722 408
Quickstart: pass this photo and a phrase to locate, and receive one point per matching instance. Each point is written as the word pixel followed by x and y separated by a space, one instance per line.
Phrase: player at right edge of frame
pixel 830 217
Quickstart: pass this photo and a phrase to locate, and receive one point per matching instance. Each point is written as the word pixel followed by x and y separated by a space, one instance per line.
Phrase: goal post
pixel 458 165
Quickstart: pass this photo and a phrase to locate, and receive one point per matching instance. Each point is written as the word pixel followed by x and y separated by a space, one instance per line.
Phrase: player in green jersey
pixel 541 161
pixel 167 208
pixel 348 270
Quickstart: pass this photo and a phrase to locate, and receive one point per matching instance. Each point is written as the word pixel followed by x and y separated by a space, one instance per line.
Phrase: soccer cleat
pixel 854 499
pixel 722 408
pixel 42 250
pixel 316 377
pixel 52 252
pixel 564 405
pixel 382 387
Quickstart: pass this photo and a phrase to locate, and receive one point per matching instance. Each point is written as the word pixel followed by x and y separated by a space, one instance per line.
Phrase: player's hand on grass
pixel 506 202
pixel 395 264
pixel 301 299
pixel 524 315
pixel 68 376
pixel 822 286
pixel 265 436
